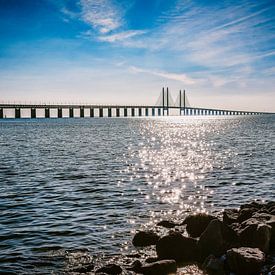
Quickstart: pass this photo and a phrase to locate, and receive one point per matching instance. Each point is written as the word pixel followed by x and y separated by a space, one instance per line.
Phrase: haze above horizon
pixel 124 52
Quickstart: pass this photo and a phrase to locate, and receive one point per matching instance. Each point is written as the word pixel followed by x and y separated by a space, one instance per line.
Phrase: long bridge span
pixel 163 106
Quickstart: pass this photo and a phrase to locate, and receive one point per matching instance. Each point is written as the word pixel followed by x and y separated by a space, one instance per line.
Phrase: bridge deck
pixel 99 106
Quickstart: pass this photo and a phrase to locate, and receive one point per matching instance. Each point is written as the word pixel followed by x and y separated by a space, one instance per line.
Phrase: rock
pixel 245 260
pixel 136 266
pixel 271 223
pixel 196 224
pixel 213 265
pixel 112 269
pixel 167 224
pixel 177 247
pixel 217 239
pixel 145 238
pixel 245 214
pixel 255 234
pixel 268 219
pixel 254 204
pixel 230 216
pixel 83 268
pixel 163 267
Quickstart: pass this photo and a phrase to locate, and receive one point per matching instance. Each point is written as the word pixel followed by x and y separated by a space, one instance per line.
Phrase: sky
pixel 106 51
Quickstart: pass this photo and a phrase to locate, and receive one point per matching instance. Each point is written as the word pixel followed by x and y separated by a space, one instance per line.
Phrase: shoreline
pixel 241 241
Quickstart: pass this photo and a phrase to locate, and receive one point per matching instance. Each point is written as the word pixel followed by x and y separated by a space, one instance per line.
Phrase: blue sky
pixel 107 51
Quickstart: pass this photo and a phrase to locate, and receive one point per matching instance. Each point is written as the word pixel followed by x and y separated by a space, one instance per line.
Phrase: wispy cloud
pixel 172 76
pixel 120 36
pixel 101 15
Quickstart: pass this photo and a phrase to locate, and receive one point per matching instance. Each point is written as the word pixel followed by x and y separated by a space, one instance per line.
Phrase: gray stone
pixel 196 224
pixel 217 239
pixel 177 247
pixel 255 234
pixel 245 260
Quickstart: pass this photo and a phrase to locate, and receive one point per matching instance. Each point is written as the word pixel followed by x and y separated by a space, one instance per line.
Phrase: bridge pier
pixel 125 112
pixel 1 113
pixel 47 113
pixel 153 111
pixel 139 112
pixel 146 112
pixel 59 112
pixel 109 112
pixel 100 112
pixel 17 113
pixel 159 112
pixel 92 112
pixel 81 111
pixel 117 112
pixel 71 112
pixel 33 113
pixel 133 112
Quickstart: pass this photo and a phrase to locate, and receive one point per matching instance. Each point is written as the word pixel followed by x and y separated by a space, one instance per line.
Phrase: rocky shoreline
pixel 238 241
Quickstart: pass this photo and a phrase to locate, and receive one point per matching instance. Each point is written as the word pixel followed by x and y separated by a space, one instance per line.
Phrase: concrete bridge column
pixel 125 112
pixel 117 112
pixel 139 112
pixel 81 111
pixel 33 113
pixel 100 112
pixel 191 112
pixel 47 113
pixel 59 112
pixel 159 112
pixel 1 113
pixel 71 112
pixel 17 113
pixel 133 112
pixel 109 112
pixel 153 111
pixel 146 112
pixel 92 112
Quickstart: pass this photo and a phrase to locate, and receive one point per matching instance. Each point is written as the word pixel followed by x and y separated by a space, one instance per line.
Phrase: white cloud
pixel 173 76
pixel 121 36
pixel 101 15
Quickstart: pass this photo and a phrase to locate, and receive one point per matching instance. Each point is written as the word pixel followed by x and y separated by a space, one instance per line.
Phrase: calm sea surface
pixel 68 184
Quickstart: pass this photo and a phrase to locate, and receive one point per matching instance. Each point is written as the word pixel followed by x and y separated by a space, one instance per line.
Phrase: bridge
pixel 163 106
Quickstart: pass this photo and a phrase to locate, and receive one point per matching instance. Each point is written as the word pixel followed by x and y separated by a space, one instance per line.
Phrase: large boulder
pixel 145 238
pixel 268 219
pixel 163 267
pixel 177 247
pixel 255 234
pixel 245 260
pixel 196 224
pixel 217 239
